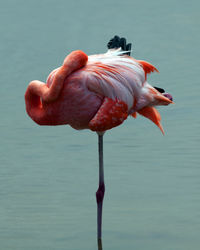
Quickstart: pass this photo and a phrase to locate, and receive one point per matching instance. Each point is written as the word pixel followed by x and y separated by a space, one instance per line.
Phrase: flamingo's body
pixel 96 92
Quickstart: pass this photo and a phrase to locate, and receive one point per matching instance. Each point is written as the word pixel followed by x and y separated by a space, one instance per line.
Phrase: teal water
pixel 49 175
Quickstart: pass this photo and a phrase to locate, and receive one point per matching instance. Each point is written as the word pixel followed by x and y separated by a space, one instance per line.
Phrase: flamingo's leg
pixel 101 190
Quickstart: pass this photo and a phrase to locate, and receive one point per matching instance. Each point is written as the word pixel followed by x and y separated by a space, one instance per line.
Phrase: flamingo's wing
pixel 148 67
pixel 111 114
pixel 117 42
pixel 159 89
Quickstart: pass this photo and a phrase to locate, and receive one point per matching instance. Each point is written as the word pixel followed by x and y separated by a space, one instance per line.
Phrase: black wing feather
pixel 117 42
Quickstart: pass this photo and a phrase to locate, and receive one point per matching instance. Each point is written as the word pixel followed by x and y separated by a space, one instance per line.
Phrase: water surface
pixel 49 175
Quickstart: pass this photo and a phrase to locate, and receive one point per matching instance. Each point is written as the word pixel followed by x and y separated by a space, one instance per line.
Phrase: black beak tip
pixel 168 96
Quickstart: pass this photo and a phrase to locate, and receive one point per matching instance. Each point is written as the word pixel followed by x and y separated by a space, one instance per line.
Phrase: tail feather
pixel 152 114
pixel 148 67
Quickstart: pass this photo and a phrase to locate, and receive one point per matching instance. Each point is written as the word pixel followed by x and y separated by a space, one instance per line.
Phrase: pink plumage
pixel 96 92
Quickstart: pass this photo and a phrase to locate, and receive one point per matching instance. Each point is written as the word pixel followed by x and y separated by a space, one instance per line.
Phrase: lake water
pixel 49 175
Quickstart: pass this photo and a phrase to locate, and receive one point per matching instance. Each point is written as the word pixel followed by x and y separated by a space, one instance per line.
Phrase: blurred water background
pixel 49 175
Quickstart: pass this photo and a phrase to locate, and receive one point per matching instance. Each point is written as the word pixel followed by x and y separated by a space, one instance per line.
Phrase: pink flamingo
pixel 96 92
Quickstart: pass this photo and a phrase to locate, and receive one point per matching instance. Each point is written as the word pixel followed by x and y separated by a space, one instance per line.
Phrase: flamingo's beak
pixel 161 99
pixel 168 96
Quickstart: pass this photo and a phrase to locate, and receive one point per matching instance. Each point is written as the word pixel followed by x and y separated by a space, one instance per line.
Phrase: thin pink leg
pixel 100 192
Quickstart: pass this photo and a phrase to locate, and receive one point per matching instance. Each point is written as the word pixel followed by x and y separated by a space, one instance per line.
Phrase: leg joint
pixel 100 193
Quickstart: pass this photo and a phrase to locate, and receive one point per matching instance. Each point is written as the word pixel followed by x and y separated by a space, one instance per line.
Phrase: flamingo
pixel 97 92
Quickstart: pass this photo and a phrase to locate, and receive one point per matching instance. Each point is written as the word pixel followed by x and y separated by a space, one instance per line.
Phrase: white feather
pixel 115 75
